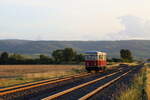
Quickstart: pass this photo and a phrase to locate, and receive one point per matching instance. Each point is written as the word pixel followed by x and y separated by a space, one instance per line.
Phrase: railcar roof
pixel 93 52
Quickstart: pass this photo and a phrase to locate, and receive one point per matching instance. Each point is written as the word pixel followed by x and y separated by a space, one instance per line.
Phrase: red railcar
pixel 95 60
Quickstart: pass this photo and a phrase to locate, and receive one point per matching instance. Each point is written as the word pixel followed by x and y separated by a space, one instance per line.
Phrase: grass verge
pixel 14 75
pixel 137 89
pixel 148 81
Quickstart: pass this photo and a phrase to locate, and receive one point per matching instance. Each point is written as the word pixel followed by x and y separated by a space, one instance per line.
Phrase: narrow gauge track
pixel 86 90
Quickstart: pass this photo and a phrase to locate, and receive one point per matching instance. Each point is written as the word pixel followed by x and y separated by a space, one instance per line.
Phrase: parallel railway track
pixel 13 92
pixel 38 83
pixel 24 87
pixel 70 94
pixel 87 96
pixel 77 87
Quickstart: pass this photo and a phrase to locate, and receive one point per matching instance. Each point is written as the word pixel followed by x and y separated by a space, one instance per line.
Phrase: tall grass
pixel 148 81
pixel 137 90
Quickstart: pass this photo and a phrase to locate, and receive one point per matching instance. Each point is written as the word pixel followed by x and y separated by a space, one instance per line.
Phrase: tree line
pixel 59 56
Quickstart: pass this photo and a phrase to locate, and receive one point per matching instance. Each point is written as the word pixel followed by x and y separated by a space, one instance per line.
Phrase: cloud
pixel 74 19
pixel 134 28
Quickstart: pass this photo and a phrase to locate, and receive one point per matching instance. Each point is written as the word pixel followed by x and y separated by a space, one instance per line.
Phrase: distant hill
pixel 140 48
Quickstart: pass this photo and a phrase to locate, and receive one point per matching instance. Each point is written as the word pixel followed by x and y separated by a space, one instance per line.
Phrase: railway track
pixel 41 82
pixel 21 88
pixel 79 81
pixel 86 90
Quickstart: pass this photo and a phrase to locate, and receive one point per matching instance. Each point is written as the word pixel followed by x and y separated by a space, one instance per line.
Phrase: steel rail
pixel 77 87
pixel 87 96
pixel 37 84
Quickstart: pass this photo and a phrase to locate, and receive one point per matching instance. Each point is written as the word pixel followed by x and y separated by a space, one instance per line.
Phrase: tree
pixel 148 60
pixel 69 54
pixel 17 57
pixel 58 56
pixel 79 58
pixel 123 53
pixel 126 55
pixel 66 55
pixel 4 58
pixel 45 59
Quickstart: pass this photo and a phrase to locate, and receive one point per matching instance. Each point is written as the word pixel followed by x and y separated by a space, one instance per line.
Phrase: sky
pixel 75 19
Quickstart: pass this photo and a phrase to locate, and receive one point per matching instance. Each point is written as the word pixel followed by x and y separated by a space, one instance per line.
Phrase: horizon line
pixel 79 40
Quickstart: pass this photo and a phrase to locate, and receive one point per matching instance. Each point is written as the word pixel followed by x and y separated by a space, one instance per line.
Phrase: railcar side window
pixel 94 57
pixel 91 57
pixel 86 57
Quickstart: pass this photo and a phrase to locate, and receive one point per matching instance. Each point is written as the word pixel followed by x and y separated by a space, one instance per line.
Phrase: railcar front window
pixel 101 57
pixel 104 57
